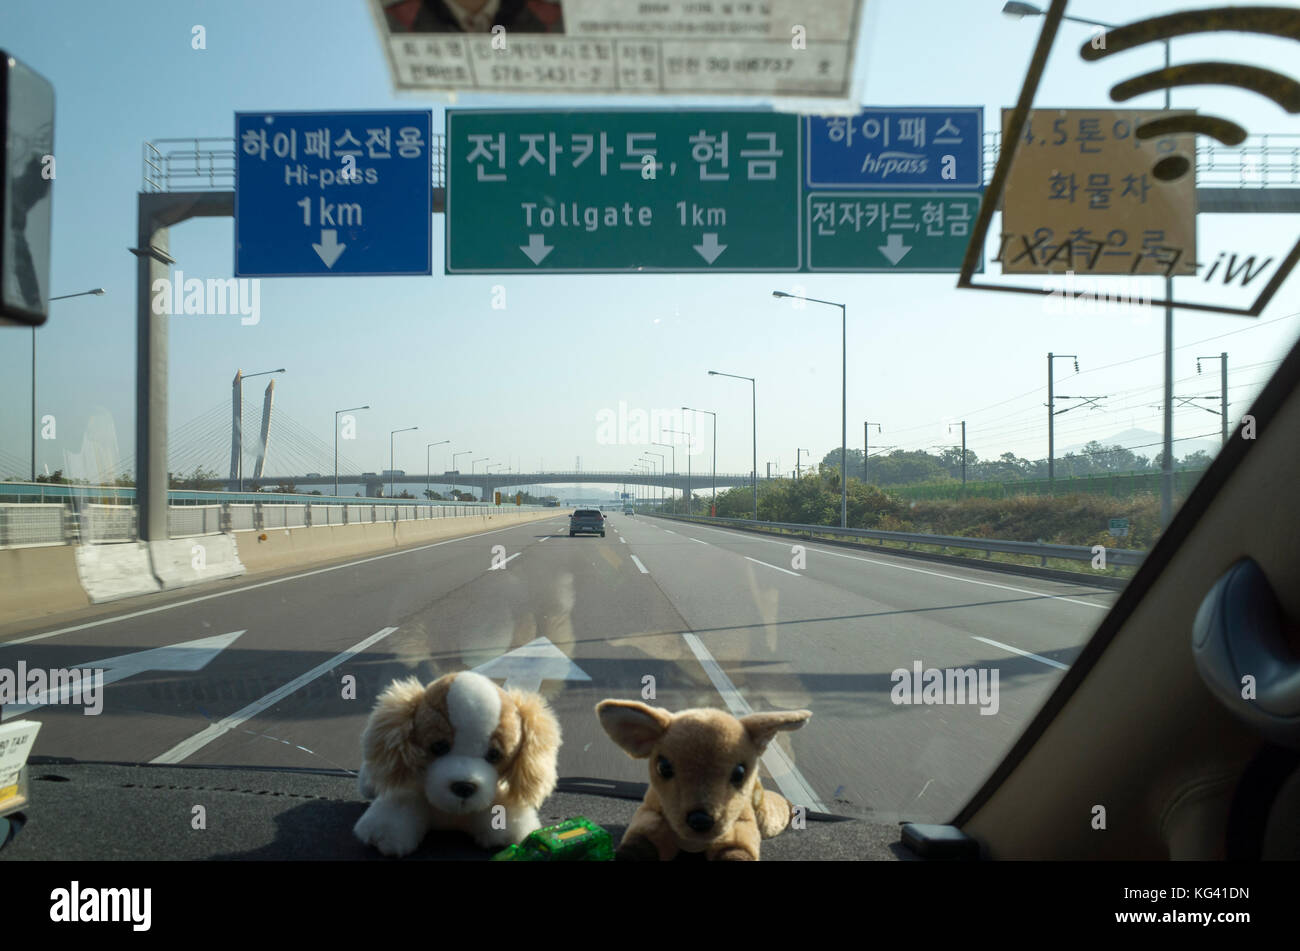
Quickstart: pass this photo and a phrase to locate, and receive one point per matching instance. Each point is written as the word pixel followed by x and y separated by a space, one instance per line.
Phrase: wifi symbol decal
pixel 1283 90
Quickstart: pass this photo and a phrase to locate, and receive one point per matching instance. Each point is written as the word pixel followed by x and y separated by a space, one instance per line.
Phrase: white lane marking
pixel 784 773
pixel 644 569
pixel 670 531
pixel 697 540
pixel 187 748
pixel 544 538
pixel 622 539
pixel 766 565
pixel 925 571
pixel 1016 650
pixel 506 562
pixel 249 587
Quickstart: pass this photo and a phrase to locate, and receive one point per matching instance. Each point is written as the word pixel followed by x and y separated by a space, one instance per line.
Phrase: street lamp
pixel 240 377
pixel 844 400
pixel 472 464
pixel 350 409
pixel 661 469
pixel 654 472
pixel 427 490
pixel 754 417
pixel 671 447
pixel 463 452
pixel 640 467
pixel 1018 10
pixel 714 507
pixel 681 432
pixel 392 469
pixel 97 292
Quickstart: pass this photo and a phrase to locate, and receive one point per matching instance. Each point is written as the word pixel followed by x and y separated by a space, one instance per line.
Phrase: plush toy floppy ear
pixel 532 776
pixel 762 727
pixel 391 760
pixel 632 725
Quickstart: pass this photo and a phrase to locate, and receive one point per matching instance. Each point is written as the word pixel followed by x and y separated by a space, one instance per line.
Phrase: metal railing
pixel 32 524
pixel 1262 161
pixel 208 164
pixel 1114 556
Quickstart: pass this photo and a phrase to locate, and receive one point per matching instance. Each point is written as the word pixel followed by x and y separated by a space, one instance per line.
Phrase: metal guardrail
pixel 1261 161
pixel 1114 556
pixel 1266 160
pixel 208 164
pixel 32 524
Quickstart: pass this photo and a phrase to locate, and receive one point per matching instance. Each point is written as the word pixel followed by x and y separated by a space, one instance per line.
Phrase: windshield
pixel 699 309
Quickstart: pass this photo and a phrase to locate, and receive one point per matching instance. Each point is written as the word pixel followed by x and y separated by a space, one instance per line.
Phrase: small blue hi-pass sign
pixel 321 193
pixel 892 148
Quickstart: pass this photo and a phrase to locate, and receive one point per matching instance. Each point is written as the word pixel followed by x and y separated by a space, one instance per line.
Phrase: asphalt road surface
pixel 287 669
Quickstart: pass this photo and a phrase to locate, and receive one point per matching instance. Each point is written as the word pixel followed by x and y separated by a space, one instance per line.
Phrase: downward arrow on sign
pixel 186 656
pixel 894 249
pixel 537 249
pixel 709 249
pixel 524 668
pixel 329 248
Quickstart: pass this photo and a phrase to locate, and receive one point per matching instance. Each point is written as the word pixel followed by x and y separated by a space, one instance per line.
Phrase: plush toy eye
pixel 441 748
pixel 493 755
pixel 665 768
pixel 738 775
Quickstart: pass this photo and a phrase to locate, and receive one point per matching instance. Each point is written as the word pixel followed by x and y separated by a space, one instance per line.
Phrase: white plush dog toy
pixel 459 754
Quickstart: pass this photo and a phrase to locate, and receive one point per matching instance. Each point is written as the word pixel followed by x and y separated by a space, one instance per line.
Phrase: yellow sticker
pixel 571 834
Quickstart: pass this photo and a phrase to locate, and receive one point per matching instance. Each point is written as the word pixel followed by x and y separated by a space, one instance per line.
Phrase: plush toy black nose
pixel 464 790
pixel 699 820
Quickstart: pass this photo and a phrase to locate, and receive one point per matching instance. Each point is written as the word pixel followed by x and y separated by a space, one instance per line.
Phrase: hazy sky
pixel 526 385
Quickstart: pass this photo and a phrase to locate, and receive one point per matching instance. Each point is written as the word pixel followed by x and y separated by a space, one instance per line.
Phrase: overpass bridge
pixel 696 482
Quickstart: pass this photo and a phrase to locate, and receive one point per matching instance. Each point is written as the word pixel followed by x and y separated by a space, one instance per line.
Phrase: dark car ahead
pixel 586 520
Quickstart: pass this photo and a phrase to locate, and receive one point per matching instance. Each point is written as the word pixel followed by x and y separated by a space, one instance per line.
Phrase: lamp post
pixel 1018 10
pixel 844 401
pixel 638 467
pixel 239 382
pixel 798 460
pixel 463 452
pixel 714 507
pixel 392 469
pixel 689 447
pixel 754 418
pixel 472 464
pixel 427 474
pixel 350 409
pixel 661 469
pixel 97 292
pixel 671 447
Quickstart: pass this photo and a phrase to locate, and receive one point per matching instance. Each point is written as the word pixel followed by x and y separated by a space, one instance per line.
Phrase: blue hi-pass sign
pixel 321 193
pixel 893 148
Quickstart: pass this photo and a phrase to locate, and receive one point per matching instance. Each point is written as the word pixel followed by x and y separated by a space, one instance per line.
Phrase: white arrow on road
pixel 894 249
pixel 329 248
pixel 710 249
pixel 186 656
pixel 524 668
pixel 537 249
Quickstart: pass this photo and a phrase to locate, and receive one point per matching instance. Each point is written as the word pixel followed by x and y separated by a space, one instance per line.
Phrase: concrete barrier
pixel 295 547
pixel 35 582
pixel 57 579
pixel 179 562
pixel 111 572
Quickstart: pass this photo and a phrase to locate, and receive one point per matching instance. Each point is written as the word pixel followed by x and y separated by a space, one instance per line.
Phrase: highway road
pixel 289 667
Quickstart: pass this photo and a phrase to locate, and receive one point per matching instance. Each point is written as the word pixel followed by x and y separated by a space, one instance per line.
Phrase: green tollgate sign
pixel 673 191
pixel 622 191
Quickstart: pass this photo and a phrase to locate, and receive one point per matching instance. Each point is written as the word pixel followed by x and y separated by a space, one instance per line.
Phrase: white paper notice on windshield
pixel 16 741
pixel 781 48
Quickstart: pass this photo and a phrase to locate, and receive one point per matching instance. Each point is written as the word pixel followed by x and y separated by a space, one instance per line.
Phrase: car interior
pixel 1174 735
